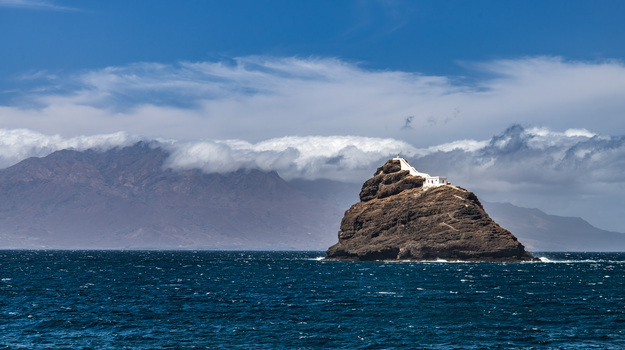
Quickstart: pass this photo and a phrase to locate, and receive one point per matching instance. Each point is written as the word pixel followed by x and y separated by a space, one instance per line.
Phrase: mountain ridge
pixel 124 198
pixel 547 232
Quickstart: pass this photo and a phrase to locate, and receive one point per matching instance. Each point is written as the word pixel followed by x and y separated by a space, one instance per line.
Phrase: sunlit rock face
pixel 399 219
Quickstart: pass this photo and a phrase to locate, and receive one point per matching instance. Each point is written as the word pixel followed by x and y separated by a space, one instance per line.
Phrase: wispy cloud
pixel 257 98
pixel 372 20
pixel 35 5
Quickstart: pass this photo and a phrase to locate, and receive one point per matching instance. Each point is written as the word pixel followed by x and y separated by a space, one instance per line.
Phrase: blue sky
pixel 431 37
pixel 519 101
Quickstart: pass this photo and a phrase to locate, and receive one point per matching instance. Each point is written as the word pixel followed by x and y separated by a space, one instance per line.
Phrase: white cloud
pixel 343 158
pixel 518 156
pixel 464 145
pixel 19 144
pixel 579 132
pixel 34 5
pixel 258 98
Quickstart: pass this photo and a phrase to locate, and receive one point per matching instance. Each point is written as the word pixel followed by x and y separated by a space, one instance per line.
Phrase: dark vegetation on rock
pixel 397 218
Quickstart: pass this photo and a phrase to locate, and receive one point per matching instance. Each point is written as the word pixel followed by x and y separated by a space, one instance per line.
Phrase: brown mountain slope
pixel 124 198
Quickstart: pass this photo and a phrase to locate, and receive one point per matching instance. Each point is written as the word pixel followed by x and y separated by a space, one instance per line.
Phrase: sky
pixel 518 101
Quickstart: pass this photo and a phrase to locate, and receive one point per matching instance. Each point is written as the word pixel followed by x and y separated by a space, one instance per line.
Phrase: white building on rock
pixel 430 181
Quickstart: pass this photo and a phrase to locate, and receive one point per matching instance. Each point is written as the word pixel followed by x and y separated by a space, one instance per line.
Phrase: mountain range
pixel 126 198
pixel 543 232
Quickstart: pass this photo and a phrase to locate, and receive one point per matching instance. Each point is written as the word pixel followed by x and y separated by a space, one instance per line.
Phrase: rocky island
pixel 407 215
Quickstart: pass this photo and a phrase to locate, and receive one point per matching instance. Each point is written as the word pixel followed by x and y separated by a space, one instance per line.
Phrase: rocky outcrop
pixel 398 219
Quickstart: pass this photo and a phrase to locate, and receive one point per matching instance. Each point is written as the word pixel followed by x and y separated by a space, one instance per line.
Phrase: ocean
pixel 293 300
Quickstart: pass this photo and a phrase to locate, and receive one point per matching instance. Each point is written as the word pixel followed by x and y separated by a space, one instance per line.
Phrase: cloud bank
pixel 19 144
pixel 571 172
pixel 257 98
pixel 342 158
pixel 519 157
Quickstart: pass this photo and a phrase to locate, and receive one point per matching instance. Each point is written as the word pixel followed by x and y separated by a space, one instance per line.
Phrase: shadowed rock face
pixel 398 219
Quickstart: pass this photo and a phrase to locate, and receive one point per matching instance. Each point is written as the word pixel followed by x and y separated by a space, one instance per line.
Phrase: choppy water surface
pixel 291 300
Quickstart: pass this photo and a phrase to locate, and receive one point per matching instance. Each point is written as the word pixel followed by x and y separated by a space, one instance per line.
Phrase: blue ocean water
pixel 292 300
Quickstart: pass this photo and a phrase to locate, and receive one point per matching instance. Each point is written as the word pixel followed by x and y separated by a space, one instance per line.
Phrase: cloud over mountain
pixel 536 158
pixel 343 158
pixel 575 172
pixel 572 172
pixel 519 156
pixel 19 144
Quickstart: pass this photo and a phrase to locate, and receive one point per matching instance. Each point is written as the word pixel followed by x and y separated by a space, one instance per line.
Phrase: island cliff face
pixel 399 219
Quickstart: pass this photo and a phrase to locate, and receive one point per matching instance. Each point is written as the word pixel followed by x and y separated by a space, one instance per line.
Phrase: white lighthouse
pixel 430 181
